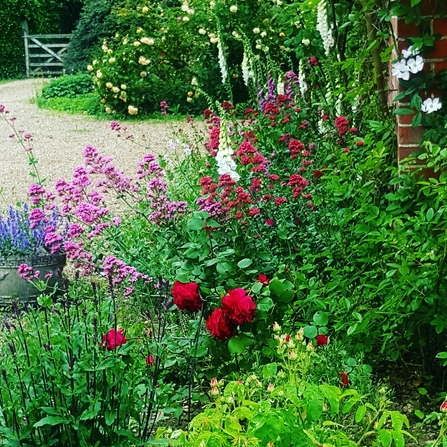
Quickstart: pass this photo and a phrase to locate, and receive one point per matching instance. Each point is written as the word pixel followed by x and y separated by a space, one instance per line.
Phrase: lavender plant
pixel 27 231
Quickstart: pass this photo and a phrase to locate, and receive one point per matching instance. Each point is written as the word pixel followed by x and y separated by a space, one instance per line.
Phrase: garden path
pixel 59 140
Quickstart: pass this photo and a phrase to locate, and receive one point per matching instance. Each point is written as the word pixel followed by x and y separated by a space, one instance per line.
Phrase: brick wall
pixel 433 14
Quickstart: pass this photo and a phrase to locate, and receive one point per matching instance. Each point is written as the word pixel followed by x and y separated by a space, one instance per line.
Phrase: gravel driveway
pixel 59 140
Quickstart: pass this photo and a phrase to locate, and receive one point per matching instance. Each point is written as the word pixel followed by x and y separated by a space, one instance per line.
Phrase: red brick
pixel 408 135
pixel 405 119
pixel 440 26
pixel 433 7
pixel 438 66
pixel 439 51
pixel 404 152
pixel 402 29
pixel 427 172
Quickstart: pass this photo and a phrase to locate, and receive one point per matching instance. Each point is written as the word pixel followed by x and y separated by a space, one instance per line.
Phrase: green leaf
pixel 265 304
pixel 170 362
pixel 51 420
pixel 110 416
pixel 236 345
pixel 420 414
pixel 430 214
pixel 360 413
pixel 256 287
pixel 403 111
pixel 442 355
pixel 276 287
pixel 417 119
pixel 415 2
pixel 385 438
pixel 244 263
pixel 286 296
pixel 321 318
pixel 195 224
pixel 269 370
pixel 310 331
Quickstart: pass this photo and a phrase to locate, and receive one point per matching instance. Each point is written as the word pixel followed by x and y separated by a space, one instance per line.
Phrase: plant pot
pixel 13 286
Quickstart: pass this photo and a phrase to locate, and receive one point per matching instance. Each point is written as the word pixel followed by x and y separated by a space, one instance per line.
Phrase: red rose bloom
pixel 114 339
pixel 344 379
pixel 219 325
pixel 186 296
pixel 322 340
pixel 239 307
pixel 150 360
pixel 443 408
pixel 262 278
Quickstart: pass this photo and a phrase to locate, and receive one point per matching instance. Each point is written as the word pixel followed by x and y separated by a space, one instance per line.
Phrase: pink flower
pixel 150 360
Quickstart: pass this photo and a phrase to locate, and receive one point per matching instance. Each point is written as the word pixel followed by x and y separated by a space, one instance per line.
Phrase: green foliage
pixel 87 104
pixel 95 24
pixel 72 379
pixel 68 86
pixel 281 408
pixel 48 16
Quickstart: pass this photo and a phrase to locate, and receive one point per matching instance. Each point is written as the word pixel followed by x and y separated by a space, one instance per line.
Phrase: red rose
pixel 219 325
pixel 150 360
pixel 443 408
pixel 344 379
pixel 186 296
pixel 114 339
pixel 322 340
pixel 239 306
pixel 263 279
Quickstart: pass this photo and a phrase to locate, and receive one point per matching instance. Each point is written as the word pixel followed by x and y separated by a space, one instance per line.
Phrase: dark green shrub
pixel 43 16
pixel 68 86
pixel 94 25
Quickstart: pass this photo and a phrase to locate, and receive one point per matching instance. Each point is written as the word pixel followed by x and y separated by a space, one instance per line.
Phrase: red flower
pixel 114 339
pixel 318 173
pixel 239 307
pixel 443 408
pixel 219 325
pixel 263 279
pixel 150 360
pixel 359 143
pixel 322 340
pixel 313 61
pixel 186 296
pixel 344 379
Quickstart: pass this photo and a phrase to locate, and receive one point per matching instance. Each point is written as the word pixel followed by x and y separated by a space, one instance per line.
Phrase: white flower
pixel 247 72
pixel 190 11
pixel 256 30
pixel 147 40
pixel 431 105
pixel 302 78
pixel 415 65
pixel 89 68
pixel 323 28
pixel 306 42
pixel 186 150
pixel 222 61
pixel 145 9
pixel 185 7
pixel 401 70
pixel 194 81
pixel 233 9
pixel 186 19
pixel 172 144
pixel 410 52
pixel 263 34
pixel 202 31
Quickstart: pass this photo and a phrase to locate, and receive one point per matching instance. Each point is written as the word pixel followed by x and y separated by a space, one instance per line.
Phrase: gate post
pixel 25 41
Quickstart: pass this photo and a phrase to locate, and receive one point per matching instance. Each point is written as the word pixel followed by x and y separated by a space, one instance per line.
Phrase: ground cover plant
pixel 267 265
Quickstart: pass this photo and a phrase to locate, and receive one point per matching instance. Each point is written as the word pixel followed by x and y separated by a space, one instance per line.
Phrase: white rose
pixel 233 9
pixel 256 30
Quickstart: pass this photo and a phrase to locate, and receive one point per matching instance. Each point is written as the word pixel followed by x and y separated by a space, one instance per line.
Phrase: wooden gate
pixel 44 52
